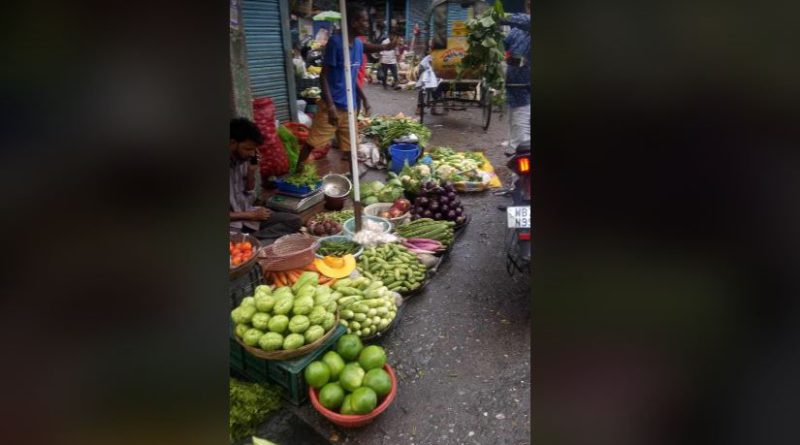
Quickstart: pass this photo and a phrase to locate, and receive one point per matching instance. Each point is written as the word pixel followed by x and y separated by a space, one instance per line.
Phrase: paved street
pixel 461 348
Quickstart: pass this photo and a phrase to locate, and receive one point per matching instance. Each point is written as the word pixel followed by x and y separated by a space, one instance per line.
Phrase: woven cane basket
pixel 288 252
pixel 286 355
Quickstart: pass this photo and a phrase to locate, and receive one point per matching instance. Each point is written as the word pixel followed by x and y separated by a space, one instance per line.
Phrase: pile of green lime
pixel 351 378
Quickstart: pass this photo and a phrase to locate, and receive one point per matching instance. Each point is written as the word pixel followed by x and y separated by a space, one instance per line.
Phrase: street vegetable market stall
pixel 314 314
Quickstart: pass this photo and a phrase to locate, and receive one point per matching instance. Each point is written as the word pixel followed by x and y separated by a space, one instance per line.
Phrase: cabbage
pixel 265 303
pixel 303 305
pixel 298 324
pixel 317 315
pixel 241 329
pixel 283 306
pixel 261 321
pixel 293 341
pixel 314 333
pixel 278 324
pixel 252 336
pixel 243 314
pixel 327 324
pixel 270 341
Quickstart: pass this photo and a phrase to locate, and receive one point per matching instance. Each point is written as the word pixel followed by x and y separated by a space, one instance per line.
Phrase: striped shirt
pixel 239 199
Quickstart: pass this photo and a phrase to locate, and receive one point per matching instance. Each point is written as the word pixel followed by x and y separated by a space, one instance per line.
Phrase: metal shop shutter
pixel 266 60
pixel 455 13
pixel 415 13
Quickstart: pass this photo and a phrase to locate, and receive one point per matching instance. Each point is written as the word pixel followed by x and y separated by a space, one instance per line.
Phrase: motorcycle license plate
pixel 519 217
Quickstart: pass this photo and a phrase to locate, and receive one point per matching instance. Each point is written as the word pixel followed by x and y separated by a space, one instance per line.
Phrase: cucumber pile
pixel 441 231
pixel 366 307
pixel 394 265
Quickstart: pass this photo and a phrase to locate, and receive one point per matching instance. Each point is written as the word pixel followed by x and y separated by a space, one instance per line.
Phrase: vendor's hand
pixel 261 214
pixel 333 119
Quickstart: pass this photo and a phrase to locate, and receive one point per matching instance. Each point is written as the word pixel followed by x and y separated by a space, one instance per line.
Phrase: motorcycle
pixel 518 232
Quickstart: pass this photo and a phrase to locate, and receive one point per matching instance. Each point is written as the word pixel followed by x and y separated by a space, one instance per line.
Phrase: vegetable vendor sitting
pixel 264 224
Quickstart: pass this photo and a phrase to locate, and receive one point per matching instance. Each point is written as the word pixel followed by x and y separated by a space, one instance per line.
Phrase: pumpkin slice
pixel 336 267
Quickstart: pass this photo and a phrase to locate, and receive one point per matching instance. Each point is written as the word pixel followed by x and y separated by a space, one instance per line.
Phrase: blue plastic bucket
pixel 402 153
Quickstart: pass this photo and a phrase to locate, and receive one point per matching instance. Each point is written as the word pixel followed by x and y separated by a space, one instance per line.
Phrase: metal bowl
pixel 336 186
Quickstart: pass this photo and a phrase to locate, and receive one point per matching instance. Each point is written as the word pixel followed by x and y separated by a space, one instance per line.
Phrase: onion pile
pixel 324 228
pixel 438 202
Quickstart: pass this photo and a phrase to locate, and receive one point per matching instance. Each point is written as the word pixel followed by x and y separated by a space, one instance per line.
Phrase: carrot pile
pixel 289 277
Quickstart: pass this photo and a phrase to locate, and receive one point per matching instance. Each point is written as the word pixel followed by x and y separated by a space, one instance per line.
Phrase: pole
pixel 351 115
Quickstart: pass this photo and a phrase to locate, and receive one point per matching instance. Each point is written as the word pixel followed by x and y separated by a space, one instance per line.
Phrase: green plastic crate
pixel 288 374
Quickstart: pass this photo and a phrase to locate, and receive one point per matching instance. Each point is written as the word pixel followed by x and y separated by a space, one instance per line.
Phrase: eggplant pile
pixel 439 202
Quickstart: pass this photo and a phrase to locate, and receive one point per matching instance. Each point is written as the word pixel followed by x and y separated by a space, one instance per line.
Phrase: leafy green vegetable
pixel 291 145
pixel 308 177
pixel 386 129
pixel 485 49
pixel 339 216
pixel 249 405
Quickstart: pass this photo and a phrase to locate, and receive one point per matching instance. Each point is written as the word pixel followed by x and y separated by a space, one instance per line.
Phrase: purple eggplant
pixel 434 205
pixel 423 202
pixel 451 196
pixel 458 211
pixel 444 208
pixel 451 215
pixel 437 216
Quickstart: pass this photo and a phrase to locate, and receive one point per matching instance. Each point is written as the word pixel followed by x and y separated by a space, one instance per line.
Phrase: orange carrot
pixel 279 279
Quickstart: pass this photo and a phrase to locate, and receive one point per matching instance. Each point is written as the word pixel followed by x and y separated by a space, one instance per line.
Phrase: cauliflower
pixel 423 170
pixel 445 171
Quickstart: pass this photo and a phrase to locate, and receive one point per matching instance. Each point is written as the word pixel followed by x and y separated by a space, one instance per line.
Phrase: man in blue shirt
pixel 331 118
pixel 518 76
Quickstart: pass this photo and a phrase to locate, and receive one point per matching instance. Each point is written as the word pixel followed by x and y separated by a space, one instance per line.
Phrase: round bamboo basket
pixel 286 355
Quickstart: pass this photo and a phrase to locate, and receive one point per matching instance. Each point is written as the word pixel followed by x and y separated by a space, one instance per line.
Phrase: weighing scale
pixel 295 203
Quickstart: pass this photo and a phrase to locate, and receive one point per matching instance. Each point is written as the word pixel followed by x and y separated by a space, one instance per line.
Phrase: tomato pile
pixel 240 252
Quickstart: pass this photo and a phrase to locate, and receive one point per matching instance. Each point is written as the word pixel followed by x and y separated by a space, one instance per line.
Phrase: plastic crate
pixel 288 374
pixel 245 285
pixel 295 190
pixel 237 357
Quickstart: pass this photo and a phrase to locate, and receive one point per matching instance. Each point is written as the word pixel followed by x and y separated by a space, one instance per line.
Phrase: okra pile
pixel 394 265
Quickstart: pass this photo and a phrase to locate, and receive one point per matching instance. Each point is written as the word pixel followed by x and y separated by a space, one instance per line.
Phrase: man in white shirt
pixel 389 63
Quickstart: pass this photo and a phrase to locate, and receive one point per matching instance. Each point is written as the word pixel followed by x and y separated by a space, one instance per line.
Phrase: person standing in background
pixel 518 76
pixel 389 64
pixel 332 118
